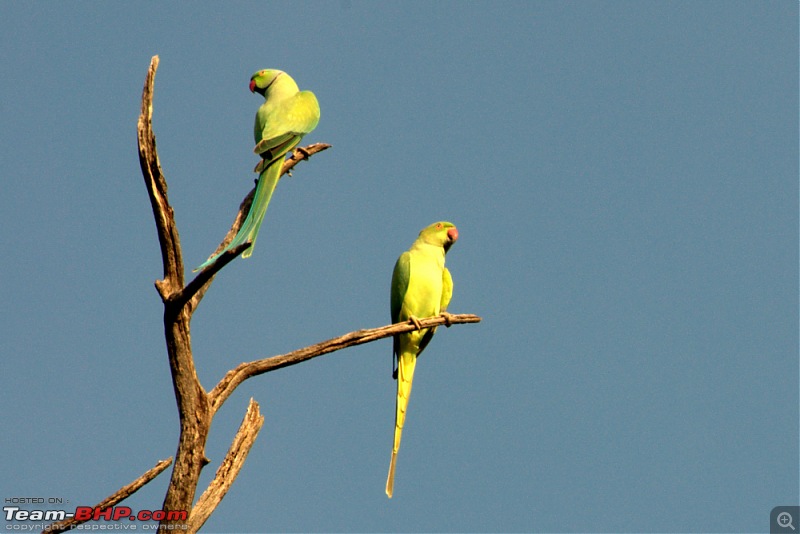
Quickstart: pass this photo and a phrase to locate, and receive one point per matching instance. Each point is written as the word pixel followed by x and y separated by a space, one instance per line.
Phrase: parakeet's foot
pixel 447 318
pixel 306 154
pixel 413 320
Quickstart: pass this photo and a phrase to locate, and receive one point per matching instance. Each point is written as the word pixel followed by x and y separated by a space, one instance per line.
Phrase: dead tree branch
pixel 229 468
pixel 243 371
pixel 156 184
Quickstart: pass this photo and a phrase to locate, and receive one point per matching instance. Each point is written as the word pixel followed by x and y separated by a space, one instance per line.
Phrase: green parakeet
pixel 421 287
pixel 286 115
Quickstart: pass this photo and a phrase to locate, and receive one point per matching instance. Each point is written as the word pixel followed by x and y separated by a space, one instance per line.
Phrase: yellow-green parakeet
pixel 286 115
pixel 421 287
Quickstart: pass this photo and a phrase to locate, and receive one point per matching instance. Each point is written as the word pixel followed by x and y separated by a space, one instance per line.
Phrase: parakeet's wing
pixel 400 278
pixel 294 117
pixel 447 290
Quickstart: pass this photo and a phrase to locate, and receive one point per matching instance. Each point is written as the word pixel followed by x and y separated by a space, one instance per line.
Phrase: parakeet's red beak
pixel 252 86
pixel 452 233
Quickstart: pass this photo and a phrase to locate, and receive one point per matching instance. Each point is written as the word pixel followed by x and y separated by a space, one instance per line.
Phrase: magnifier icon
pixel 784 519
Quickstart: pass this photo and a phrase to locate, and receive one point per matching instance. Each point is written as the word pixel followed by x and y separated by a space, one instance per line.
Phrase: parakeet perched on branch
pixel 421 287
pixel 286 115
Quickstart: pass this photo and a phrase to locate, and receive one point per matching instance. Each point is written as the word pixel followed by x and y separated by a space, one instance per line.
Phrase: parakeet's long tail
pixel 405 376
pixel 267 181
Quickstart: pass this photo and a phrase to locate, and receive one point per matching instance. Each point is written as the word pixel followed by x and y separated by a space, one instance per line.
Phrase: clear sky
pixel 624 177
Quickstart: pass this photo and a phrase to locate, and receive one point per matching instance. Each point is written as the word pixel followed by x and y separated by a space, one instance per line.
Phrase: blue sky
pixel 624 177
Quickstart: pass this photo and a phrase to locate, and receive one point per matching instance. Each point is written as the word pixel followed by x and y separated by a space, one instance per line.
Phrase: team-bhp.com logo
pixel 83 514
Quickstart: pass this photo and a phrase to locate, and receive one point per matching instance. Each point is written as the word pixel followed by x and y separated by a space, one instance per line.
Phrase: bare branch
pixel 115 498
pixel 299 154
pixel 229 468
pixel 243 371
pixel 157 191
